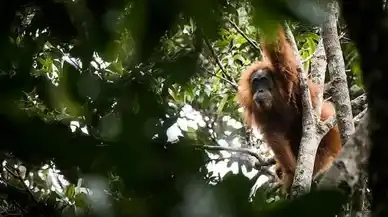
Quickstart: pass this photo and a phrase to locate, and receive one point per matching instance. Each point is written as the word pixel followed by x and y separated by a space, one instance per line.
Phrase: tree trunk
pixel 366 21
pixel 336 67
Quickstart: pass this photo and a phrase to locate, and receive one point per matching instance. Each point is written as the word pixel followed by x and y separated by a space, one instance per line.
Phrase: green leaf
pixel 222 104
pixel 116 67
pixel 190 130
pixel 81 200
pixel 70 191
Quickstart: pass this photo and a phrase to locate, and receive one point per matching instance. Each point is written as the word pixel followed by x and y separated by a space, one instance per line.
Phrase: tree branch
pixel 351 161
pixel 336 68
pixel 317 74
pixel 18 177
pixel 326 126
pixel 366 23
pixel 359 104
pixel 218 61
pixel 360 115
pixel 234 85
pixel 253 43
pixel 309 141
pixel 231 149
pixel 266 163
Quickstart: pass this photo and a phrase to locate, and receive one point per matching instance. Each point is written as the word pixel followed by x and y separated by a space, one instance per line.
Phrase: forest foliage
pixel 121 72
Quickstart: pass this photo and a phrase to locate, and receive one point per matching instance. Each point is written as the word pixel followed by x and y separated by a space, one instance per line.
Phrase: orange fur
pixel 282 126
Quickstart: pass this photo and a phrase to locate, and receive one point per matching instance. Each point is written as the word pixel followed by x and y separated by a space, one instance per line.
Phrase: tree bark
pixel 359 104
pixel 366 21
pixel 336 67
pixel 317 74
pixel 346 169
pixel 309 143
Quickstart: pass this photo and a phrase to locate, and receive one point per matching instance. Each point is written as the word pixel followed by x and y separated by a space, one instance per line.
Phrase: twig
pixel 291 40
pixel 360 99
pixel 253 43
pixel 318 68
pixel 266 163
pixel 17 176
pixel 216 160
pixel 266 171
pixel 218 61
pixel 240 150
pixel 234 85
pixel 326 126
pixel 359 117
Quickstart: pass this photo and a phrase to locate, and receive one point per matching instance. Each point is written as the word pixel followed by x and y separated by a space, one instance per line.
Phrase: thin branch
pixel 266 163
pixel 230 149
pixel 291 40
pixel 359 104
pixel 234 85
pixel 216 160
pixel 359 117
pixel 318 68
pixel 18 177
pixel 326 126
pixel 218 61
pixel 257 165
pixel 328 89
pixel 253 43
pixel 269 181
pixel 359 100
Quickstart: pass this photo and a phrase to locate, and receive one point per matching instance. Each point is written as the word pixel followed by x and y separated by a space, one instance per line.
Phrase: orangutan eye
pixel 255 82
pixel 260 82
